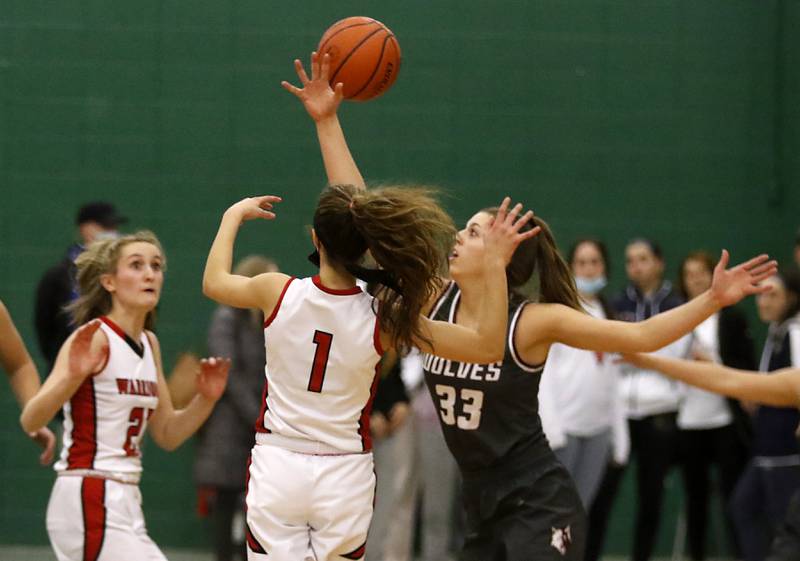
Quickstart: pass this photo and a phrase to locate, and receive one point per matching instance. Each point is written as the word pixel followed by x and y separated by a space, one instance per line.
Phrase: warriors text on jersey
pixel 488 412
pixel 323 349
pixel 106 418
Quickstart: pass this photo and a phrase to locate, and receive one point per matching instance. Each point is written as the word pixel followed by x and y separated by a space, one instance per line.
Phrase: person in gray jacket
pixel 224 443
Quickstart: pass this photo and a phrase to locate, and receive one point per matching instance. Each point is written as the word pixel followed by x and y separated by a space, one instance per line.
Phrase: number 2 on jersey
pixel 322 340
pixel 135 425
pixel 471 404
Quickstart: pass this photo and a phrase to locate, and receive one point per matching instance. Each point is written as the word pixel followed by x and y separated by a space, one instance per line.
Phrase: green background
pixel 677 120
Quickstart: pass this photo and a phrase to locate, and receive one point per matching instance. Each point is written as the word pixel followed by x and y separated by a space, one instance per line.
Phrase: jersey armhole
pixel 108 354
pixel 439 301
pixel 376 334
pixel 274 313
pixel 512 329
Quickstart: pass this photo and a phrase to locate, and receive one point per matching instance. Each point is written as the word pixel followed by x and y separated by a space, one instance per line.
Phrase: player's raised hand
pixel 320 100
pixel 255 207
pixel 504 233
pixel 728 286
pixel 45 438
pixel 85 356
pixel 213 377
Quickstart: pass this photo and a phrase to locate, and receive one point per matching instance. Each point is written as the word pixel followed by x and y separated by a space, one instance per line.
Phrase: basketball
pixel 364 55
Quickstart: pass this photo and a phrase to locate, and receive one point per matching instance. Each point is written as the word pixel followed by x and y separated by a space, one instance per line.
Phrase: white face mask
pixel 590 286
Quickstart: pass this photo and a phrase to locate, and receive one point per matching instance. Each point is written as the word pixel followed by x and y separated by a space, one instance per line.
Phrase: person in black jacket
pixel 57 287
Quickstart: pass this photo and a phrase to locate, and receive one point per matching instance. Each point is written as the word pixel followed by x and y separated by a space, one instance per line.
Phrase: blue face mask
pixel 590 286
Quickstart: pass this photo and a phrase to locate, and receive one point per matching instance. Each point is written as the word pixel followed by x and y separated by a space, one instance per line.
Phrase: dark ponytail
pixel 408 236
pixel 540 255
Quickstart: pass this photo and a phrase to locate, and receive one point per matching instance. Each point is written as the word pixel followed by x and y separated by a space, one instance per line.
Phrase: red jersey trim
pixel 252 542
pixel 274 313
pixel 363 421
pixel 357 553
pixel 137 348
pixel 93 498
pixel 335 291
pixel 259 426
pixel 83 410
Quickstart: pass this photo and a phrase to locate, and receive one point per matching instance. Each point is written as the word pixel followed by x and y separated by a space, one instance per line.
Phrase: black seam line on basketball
pixel 375 70
pixel 321 49
pixel 397 48
pixel 354 49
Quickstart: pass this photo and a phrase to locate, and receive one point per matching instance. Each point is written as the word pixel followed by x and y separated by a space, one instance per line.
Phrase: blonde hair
pixel 99 259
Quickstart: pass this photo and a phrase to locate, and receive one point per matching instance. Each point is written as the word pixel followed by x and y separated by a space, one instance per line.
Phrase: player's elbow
pixel 490 354
pixel 28 423
pixel 210 288
pixel 164 442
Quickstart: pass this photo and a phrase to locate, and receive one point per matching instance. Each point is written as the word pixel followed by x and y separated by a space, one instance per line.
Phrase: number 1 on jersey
pixel 322 340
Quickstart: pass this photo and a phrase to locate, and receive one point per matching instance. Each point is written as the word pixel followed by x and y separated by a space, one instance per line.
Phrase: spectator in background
pixel 580 404
pixel 23 378
pixel 651 402
pixel 225 440
pixel 713 429
pixel 57 287
pixel 761 497
pixel 393 520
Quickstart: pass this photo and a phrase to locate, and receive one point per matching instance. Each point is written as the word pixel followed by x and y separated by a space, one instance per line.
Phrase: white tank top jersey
pixel 323 349
pixel 105 420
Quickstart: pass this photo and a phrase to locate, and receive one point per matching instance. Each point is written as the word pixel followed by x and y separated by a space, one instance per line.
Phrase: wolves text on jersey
pixel 129 386
pixel 463 370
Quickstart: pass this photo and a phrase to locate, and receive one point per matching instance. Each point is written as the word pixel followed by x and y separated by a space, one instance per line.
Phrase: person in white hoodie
pixel 651 399
pixel 580 404
pixel 714 431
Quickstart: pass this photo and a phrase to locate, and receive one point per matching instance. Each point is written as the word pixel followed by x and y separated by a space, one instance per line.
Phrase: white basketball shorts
pixel 305 507
pixel 95 519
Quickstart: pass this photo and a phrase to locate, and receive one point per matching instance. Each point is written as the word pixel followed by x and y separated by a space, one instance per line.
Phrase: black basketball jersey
pixel 489 412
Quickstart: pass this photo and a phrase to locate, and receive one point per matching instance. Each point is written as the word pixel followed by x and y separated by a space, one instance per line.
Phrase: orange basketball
pixel 365 56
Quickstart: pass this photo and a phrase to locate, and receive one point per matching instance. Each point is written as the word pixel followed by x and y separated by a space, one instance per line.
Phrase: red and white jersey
pixel 105 420
pixel 323 349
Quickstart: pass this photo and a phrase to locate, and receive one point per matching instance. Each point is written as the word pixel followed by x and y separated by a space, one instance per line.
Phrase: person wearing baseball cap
pixel 57 287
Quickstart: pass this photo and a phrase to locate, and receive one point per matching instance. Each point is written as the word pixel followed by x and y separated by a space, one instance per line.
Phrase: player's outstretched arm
pixel 551 323
pixel 170 427
pixel 322 102
pixel 83 354
pixel 779 389
pixel 23 378
pixel 219 284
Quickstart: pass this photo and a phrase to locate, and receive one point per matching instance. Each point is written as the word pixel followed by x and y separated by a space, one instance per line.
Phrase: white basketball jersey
pixel 323 349
pixel 105 420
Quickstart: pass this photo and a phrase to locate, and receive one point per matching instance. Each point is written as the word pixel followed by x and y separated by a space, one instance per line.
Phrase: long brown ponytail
pixel 540 255
pixel 408 236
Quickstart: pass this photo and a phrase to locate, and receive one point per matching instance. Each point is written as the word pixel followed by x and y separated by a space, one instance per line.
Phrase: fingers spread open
pixel 755 261
pixel 523 220
pixel 501 211
pixel 301 72
pixel 325 67
pixel 314 65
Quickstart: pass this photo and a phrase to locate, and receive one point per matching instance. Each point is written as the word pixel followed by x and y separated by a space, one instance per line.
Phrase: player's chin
pixel 149 300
